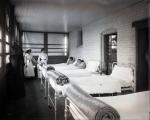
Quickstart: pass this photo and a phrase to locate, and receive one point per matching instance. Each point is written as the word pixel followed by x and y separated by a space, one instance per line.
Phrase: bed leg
pixel 66 109
pixel 55 107
pixel 41 80
pixel 48 93
pixel 45 88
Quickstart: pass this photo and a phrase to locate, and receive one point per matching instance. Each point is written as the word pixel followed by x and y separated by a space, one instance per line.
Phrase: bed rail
pixel 43 79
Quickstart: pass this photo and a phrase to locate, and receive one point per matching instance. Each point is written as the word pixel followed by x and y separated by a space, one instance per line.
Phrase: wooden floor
pixel 33 106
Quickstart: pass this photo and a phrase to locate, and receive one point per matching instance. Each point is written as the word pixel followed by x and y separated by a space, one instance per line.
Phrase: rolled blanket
pixel 94 109
pixel 59 78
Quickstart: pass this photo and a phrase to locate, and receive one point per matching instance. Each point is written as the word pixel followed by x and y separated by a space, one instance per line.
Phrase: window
pixel 7 59
pixel 0 61
pixel 66 45
pixel 7 47
pixel 0 34
pixel 0 47
pixel 110 51
pixel 7 39
pixel 7 20
pixel 34 41
pixel 57 45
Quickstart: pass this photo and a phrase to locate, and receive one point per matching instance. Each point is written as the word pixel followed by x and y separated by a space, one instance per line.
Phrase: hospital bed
pixel 135 106
pixel 82 106
pixel 91 68
pixel 121 79
pixel 60 65
pixel 60 90
pixel 42 71
pixel 73 66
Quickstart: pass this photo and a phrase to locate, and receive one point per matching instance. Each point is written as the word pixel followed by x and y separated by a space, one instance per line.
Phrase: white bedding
pixel 67 67
pixel 99 84
pixel 134 106
pixel 43 70
pixel 76 73
pixel 56 87
pixel 60 64
pixel 63 66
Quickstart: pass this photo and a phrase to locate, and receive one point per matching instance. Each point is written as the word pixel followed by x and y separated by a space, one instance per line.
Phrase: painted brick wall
pixel 122 21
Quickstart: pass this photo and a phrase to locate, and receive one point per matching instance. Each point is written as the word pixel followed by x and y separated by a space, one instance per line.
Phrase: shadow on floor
pixel 33 106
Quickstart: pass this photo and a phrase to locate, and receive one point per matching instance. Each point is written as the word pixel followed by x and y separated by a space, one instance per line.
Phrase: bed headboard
pixel 129 67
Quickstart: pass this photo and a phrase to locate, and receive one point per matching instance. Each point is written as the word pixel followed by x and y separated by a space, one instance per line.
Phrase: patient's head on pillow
pixel 70 60
pixel 80 64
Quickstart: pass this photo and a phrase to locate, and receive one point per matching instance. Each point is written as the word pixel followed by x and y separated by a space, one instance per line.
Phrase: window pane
pixel 35 41
pixel 57 44
pixel 7 59
pixel 0 61
pixel 7 39
pixel 7 20
pixel 7 48
pixel 0 47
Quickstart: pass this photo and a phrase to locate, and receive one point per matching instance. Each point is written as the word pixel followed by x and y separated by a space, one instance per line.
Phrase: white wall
pixel 149 48
pixel 122 21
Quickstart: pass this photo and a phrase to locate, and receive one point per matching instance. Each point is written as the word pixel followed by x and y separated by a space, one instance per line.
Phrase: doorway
pixel 142 43
pixel 110 51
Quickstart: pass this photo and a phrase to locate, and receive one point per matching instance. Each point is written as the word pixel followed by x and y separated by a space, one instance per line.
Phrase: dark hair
pixel 28 51
pixel 71 58
pixel 42 49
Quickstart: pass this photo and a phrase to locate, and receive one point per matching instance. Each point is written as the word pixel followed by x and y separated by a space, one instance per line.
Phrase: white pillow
pixel 123 73
pixel 92 66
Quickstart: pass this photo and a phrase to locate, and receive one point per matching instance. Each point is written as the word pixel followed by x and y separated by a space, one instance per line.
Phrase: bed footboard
pixel 70 107
pixel 50 97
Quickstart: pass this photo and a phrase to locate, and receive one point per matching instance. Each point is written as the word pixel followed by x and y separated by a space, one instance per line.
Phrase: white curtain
pixel 35 41
pixel 57 44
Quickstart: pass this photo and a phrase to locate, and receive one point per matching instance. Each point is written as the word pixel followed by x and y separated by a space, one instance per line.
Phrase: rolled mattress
pixel 94 109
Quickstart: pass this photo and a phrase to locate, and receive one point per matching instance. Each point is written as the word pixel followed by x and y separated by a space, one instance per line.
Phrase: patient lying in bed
pixel 78 64
pixel 91 68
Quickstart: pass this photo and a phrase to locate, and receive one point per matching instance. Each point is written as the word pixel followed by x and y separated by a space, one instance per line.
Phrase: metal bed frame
pixel 50 100
pixel 76 113
pixel 43 82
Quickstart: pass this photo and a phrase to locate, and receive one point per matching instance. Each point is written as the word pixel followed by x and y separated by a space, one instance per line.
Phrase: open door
pixel 142 43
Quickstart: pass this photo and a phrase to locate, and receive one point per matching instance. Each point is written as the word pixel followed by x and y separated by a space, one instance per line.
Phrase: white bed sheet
pixel 134 106
pixel 76 73
pixel 99 84
pixel 56 87
pixel 60 64
pixel 63 66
